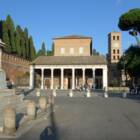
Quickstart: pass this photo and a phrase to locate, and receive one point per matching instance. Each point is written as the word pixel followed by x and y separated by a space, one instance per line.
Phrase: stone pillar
pixel 42 103
pixel 42 78
pixel 62 78
pixel 73 78
pixel 93 72
pixel 105 81
pixel 83 76
pixel 9 120
pixel 31 110
pixel 31 76
pixel 52 78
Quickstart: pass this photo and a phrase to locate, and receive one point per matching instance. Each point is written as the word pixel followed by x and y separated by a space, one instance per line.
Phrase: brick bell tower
pixel 114 55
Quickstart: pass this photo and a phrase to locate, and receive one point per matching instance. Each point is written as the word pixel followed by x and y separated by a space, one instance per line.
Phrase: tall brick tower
pixel 114 55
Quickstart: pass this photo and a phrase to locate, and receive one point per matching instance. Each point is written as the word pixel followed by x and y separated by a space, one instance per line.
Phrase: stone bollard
pixel 71 93
pixel 105 94
pixel 31 110
pixel 124 95
pixel 43 103
pixel 38 93
pixel 88 95
pixel 9 120
pixel 54 92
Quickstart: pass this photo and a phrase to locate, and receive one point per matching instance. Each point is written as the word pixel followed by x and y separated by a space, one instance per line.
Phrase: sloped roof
pixel 70 60
pixel 73 37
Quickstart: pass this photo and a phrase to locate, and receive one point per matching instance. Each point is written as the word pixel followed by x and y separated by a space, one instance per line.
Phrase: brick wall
pixel 14 67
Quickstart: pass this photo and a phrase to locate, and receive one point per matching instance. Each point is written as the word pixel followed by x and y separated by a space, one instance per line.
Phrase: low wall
pixel 117 89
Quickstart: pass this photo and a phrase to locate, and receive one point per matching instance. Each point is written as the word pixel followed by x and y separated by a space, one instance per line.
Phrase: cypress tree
pixel 22 41
pixel 11 30
pixel 1 29
pixel 26 42
pixel 42 51
pixel 17 44
pixel 5 37
pixel 32 51
pixel 17 40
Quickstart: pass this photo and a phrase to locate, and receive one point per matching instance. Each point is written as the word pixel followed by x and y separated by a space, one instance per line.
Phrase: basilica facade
pixel 72 66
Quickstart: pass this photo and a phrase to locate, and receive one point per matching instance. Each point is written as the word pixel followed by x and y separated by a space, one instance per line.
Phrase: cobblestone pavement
pixel 94 118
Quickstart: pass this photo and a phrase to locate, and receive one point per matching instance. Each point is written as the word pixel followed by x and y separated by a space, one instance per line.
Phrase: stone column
pixel 83 76
pixel 105 81
pixel 62 78
pixel 93 72
pixel 52 78
pixel 31 76
pixel 73 78
pixel 42 78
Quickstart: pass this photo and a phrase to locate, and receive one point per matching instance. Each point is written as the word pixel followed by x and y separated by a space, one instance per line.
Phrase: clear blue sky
pixel 46 19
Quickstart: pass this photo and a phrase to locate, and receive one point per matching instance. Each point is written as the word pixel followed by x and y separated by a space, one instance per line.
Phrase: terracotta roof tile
pixel 69 60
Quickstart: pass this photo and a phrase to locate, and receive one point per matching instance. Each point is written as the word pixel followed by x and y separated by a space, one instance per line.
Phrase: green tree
pixel 17 39
pixel 94 52
pixel 17 44
pixel 11 31
pixel 5 37
pixel 32 51
pixel 130 61
pixel 22 41
pixel 130 21
pixel 26 42
pixel 51 52
pixel 1 29
pixel 42 51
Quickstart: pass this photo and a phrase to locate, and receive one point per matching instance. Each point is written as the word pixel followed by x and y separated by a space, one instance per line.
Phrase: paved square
pixel 95 118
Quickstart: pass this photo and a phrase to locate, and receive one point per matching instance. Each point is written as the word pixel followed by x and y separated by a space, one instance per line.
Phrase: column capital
pixel 52 69
pixel 31 66
pixel 105 69
pixel 83 69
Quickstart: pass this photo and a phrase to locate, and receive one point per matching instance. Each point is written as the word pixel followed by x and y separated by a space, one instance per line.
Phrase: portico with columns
pixel 71 67
pixel 69 77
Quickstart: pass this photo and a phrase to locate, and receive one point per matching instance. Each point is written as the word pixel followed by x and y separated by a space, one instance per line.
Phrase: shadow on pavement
pixel 19 117
pixel 50 132
pixel 28 92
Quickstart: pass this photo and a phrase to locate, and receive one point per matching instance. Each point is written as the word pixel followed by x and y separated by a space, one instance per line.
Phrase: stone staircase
pixel 59 93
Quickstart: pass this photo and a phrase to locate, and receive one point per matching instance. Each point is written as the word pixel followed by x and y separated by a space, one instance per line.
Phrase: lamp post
pixel 124 71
